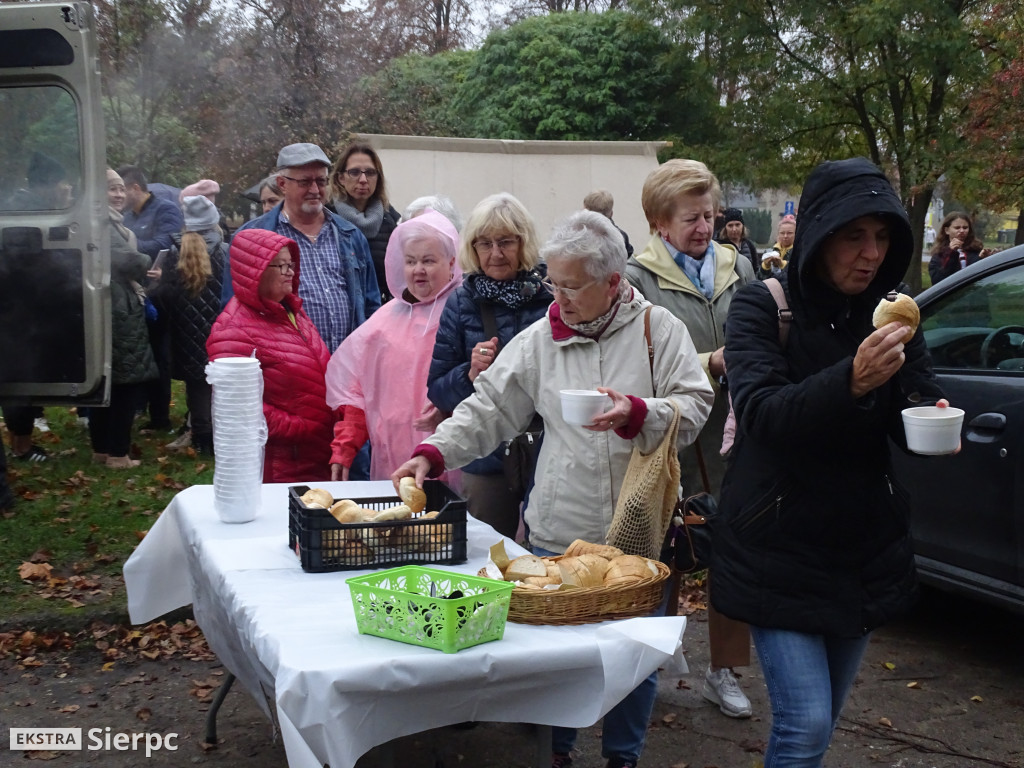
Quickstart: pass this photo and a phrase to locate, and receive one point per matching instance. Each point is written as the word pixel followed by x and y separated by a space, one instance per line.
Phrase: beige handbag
pixel 648 497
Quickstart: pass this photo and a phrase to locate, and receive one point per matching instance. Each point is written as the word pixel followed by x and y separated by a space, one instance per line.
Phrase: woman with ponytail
pixel 189 289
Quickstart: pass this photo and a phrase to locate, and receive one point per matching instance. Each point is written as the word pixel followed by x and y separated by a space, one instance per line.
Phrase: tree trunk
pixel 918 211
pixel 1018 239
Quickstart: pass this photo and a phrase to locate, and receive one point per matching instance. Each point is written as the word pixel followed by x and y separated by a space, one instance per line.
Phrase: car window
pixel 980 326
pixel 40 159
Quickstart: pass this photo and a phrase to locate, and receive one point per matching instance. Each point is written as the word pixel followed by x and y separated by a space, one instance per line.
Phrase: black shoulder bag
pixel 520 453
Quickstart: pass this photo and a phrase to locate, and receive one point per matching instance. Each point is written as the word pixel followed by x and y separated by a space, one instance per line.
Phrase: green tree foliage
pixel 806 81
pixel 412 96
pixel 577 76
pixel 994 133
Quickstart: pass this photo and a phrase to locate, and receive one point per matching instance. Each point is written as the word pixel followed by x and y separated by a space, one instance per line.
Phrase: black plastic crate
pixel 323 544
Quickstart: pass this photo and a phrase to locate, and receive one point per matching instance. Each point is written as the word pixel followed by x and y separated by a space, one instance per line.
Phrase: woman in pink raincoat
pixel 378 376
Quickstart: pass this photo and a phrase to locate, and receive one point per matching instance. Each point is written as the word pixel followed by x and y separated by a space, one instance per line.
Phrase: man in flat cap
pixel 337 283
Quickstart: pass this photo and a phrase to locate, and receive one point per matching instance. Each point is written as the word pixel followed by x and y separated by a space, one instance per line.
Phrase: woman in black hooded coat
pixel 812 548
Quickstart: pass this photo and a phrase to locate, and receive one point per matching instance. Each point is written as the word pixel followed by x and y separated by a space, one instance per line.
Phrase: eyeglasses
pixel 355 173
pixel 320 181
pixel 286 267
pixel 569 293
pixel 507 245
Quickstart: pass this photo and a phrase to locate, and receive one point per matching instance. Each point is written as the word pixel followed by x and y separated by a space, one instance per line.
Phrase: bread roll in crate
pixel 360 533
pixel 589 583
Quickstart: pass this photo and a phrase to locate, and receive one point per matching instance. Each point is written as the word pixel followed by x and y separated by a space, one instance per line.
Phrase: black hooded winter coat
pixel 813 535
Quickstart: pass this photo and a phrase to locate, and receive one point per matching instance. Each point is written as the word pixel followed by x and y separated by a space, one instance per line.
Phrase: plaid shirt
pixel 322 285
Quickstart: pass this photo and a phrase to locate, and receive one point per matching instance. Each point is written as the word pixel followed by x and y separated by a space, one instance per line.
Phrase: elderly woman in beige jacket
pixel 592 338
pixel 684 270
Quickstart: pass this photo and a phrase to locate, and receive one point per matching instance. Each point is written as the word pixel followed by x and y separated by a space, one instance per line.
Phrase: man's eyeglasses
pixel 507 245
pixel 569 293
pixel 286 267
pixel 320 181
pixel 355 173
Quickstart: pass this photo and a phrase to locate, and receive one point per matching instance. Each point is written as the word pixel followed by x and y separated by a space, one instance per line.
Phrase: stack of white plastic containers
pixel 239 436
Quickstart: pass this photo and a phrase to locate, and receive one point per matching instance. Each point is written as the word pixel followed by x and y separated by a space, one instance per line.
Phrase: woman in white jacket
pixel 592 338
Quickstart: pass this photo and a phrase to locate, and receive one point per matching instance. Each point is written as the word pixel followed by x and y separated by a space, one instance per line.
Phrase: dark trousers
pixel 20 418
pixel 158 391
pixel 199 397
pixel 110 428
pixel 6 495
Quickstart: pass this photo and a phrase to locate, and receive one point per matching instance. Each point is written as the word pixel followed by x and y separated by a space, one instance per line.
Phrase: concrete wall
pixel 549 177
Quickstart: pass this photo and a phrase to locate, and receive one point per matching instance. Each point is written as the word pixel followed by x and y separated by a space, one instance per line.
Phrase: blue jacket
pixel 155 224
pixel 460 329
pixel 354 254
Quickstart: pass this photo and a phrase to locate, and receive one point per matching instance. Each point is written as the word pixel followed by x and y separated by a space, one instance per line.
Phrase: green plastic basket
pixel 397 604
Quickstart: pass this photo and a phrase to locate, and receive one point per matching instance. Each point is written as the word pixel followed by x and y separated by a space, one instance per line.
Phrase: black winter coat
pixel 460 329
pixel 379 248
pixel 813 533
pixel 131 360
pixel 189 317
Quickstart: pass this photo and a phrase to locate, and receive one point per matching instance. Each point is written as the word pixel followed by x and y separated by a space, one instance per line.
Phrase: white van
pixel 54 254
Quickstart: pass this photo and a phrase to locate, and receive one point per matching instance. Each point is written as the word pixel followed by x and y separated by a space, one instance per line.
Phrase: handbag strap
pixel 650 344
pixel 785 313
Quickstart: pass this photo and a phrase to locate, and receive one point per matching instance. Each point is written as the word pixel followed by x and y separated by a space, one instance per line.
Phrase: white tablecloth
pixel 290 638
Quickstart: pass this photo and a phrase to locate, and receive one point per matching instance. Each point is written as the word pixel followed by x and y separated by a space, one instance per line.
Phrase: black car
pixel 968 509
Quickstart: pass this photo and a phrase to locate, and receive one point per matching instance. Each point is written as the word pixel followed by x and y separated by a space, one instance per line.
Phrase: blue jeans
pixel 808 679
pixel 625 726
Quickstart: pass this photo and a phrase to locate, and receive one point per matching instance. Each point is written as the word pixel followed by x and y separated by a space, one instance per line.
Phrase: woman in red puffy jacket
pixel 266 315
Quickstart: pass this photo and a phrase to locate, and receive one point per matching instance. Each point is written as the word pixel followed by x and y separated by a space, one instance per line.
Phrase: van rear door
pixel 54 229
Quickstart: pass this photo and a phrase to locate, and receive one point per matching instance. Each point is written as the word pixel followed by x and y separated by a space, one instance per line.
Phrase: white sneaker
pixel 42 424
pixel 721 688
pixel 183 441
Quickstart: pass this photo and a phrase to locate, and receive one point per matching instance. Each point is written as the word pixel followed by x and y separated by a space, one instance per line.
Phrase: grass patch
pixel 75 523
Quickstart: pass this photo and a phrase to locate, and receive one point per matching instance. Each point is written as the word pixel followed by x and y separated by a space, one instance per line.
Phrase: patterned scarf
pixel 368 222
pixel 514 293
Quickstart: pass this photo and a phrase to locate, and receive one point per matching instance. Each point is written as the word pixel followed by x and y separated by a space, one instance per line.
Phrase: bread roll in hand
pixel 411 495
pixel 902 310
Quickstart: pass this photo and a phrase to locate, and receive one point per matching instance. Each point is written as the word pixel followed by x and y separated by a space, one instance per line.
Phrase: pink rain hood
pixel 382 366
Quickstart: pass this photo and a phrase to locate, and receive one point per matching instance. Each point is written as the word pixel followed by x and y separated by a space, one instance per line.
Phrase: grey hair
pixel 270 182
pixel 439 203
pixel 589 236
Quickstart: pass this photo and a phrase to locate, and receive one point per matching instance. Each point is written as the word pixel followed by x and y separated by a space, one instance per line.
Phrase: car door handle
pixel 993 422
pixel 985 428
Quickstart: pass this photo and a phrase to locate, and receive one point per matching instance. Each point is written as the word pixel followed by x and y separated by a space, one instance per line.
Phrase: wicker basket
pixel 587 605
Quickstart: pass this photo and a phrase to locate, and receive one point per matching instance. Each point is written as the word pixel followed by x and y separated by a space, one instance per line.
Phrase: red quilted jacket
pixel 292 355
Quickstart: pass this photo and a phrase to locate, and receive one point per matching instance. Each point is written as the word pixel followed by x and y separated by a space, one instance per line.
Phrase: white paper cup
pixel 582 406
pixel 933 431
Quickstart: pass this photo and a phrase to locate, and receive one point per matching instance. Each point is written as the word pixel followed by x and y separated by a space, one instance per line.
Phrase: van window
pixel 40 156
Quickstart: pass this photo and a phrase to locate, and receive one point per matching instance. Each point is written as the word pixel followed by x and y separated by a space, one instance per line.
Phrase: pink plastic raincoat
pixel 380 370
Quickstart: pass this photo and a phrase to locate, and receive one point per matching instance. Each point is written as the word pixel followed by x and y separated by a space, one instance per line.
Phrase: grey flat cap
pixel 297 155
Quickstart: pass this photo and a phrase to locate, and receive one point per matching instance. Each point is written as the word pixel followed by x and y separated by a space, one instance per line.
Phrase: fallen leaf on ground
pixel 913 684
pixel 144 714
pixel 34 571
pixel 42 754
pixel 669 718
pixel 977 699
pixel 885 721
pixel 889 665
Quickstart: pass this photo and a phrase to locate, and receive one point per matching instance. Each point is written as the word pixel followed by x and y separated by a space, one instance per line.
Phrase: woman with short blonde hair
pixel 494 216
pixel 672 180
pixel 685 271
pixel 502 293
